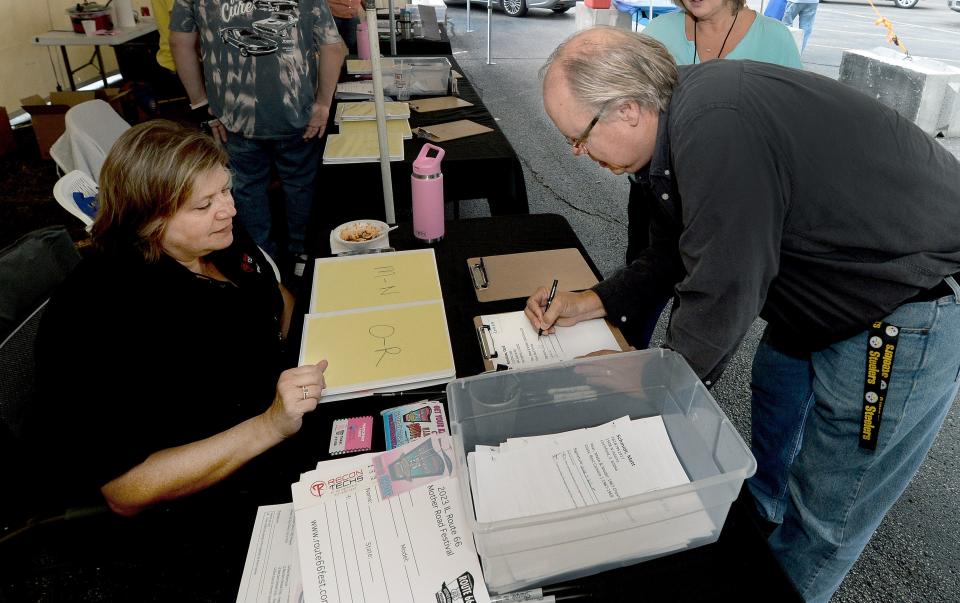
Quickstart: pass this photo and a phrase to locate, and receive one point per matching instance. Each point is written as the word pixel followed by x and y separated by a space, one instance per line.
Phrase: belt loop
pixel 952 283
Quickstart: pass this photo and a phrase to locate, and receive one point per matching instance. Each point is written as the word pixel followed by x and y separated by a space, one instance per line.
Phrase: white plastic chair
pixel 74 191
pixel 91 129
pixel 61 153
pixel 266 256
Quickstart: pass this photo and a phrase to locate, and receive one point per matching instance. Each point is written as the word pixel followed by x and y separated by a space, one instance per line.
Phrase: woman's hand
pixel 298 392
pixel 567 309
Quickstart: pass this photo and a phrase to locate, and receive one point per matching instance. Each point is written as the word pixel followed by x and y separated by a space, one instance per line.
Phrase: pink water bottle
pixel 363 40
pixel 427 192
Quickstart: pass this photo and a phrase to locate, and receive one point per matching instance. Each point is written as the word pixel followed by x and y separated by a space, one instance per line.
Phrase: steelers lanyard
pixel 881 347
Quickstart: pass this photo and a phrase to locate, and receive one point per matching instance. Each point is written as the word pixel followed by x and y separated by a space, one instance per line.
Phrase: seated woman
pixel 723 29
pixel 159 358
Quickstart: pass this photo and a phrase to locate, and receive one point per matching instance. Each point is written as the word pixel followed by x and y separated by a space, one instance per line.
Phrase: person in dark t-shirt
pixel 159 370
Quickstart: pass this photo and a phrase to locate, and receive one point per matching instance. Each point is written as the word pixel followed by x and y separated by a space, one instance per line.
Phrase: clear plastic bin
pixel 422 75
pixel 543 549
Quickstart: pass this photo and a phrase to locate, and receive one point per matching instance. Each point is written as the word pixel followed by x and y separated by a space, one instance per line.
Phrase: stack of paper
pixel 368 128
pixel 360 147
pixel 359 90
pixel 386 527
pixel 533 476
pixel 530 476
pixel 361 111
pixel 379 320
pixel 358 140
pixel 365 66
pixel 271 572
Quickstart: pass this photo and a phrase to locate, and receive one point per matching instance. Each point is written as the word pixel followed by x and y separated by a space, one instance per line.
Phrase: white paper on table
pixel 357 547
pixel 271 572
pixel 517 344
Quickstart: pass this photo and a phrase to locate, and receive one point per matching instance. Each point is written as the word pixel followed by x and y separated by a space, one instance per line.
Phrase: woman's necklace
pixel 725 38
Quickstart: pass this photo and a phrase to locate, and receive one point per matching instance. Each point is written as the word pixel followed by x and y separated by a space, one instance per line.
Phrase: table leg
pixel 103 72
pixel 66 64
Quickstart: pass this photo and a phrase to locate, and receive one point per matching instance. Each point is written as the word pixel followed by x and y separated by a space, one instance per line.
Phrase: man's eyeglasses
pixel 581 140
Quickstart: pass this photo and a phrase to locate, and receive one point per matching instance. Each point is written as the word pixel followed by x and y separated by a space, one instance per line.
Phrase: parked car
pixel 518 8
pixel 954 5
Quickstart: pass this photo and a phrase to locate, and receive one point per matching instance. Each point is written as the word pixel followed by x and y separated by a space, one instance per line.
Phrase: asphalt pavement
pixel 915 554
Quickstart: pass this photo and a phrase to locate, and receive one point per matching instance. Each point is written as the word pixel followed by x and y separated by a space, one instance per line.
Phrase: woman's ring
pixel 306 392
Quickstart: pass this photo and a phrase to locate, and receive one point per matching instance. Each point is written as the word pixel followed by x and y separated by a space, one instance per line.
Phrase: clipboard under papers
pixel 508 340
pixel 513 275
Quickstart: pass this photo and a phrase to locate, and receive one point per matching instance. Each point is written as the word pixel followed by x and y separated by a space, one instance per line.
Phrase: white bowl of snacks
pixel 361 234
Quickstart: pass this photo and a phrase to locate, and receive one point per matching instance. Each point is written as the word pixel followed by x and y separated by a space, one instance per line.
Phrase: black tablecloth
pixel 418 46
pixel 477 167
pixel 194 549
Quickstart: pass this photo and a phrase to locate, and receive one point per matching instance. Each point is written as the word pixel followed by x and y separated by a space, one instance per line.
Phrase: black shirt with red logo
pixel 134 357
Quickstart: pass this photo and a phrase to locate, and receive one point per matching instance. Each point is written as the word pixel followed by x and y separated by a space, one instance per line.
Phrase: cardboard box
pixel 48 120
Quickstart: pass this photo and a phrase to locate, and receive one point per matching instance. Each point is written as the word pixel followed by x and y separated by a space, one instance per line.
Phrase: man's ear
pixel 630 111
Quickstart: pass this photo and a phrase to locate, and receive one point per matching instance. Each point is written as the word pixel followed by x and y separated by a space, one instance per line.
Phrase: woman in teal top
pixel 726 29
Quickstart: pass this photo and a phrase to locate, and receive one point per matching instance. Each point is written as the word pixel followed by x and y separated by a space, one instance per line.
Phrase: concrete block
pixel 923 90
pixel 587 17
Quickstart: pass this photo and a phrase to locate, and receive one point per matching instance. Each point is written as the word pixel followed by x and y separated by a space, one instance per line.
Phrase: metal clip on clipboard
pixel 478 272
pixel 488 350
pixel 422 132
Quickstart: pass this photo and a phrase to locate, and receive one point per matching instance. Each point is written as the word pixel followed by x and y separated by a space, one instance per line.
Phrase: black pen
pixel 553 293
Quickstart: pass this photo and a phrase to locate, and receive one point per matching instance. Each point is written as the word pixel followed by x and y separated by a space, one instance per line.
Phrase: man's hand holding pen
pixel 566 309
pixel 550 297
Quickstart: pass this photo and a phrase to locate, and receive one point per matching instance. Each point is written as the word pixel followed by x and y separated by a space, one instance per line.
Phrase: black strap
pixel 881 348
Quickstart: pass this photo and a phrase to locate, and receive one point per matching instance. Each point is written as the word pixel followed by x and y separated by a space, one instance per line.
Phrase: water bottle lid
pixel 427 166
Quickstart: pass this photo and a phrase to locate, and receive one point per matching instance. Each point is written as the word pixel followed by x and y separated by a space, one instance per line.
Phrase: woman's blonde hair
pixel 147 177
pixel 619 65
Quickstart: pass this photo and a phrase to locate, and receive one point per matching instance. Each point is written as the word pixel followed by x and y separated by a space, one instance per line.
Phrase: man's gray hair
pixel 617 65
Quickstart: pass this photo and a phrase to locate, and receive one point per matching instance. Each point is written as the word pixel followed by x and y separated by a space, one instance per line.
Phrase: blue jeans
pixel 296 162
pixel 830 493
pixel 807 11
pixel 779 405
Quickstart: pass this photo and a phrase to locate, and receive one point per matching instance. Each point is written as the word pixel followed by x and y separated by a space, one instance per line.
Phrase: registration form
pixel 361 540
pixel 517 344
pixel 271 573
pixel 411 547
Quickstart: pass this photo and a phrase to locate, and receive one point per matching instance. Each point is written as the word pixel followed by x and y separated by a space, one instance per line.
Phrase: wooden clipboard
pixel 438 103
pixel 513 275
pixel 489 353
pixel 451 130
